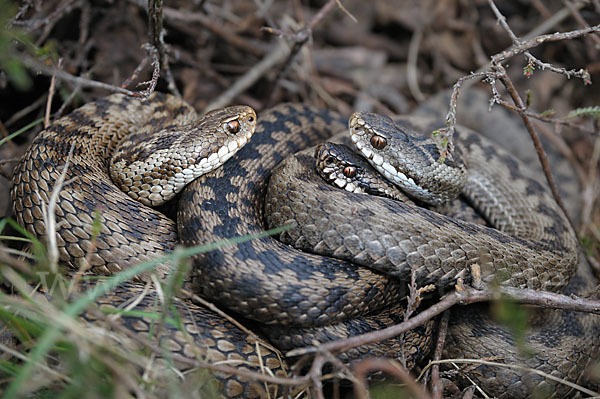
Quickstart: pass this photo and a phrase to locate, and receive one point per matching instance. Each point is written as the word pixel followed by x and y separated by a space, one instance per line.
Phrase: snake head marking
pixel 406 158
pixel 341 167
pixel 178 154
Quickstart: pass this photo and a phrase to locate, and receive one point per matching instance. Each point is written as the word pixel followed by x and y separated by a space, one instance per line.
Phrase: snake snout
pixel 409 160
pixel 174 157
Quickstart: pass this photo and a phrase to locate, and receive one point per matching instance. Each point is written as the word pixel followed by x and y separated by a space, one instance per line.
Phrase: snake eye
pixel 378 142
pixel 232 126
pixel 350 171
pixel 250 119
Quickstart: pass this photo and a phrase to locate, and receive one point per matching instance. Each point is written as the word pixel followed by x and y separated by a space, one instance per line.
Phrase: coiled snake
pixel 264 279
pixel 397 238
pixel 132 232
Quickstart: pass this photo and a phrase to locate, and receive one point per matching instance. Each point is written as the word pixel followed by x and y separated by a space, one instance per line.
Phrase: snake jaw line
pixel 345 169
pixel 406 158
pixel 403 181
pixel 181 154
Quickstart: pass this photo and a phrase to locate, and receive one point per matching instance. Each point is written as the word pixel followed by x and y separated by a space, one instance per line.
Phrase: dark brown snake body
pixel 131 232
pixel 263 279
pixel 397 238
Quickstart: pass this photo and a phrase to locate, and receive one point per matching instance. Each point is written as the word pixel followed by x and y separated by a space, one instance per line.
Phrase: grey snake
pixel 264 279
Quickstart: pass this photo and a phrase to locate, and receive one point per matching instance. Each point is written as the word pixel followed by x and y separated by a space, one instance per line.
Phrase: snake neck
pixel 247 277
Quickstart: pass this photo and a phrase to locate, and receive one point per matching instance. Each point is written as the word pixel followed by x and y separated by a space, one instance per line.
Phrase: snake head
pixel 408 159
pixel 341 167
pixel 153 169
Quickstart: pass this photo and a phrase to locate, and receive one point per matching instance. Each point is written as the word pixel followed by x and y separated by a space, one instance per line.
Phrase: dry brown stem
pixel 389 366
pixel 241 43
pixel 436 383
pixel 464 296
pixel 78 80
pixel 299 38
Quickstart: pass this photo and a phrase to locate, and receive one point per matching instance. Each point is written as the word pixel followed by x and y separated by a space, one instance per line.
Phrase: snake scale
pixel 280 286
pixel 132 232
pixel 397 238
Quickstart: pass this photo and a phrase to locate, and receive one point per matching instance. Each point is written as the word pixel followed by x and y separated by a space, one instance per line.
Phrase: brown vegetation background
pixel 384 55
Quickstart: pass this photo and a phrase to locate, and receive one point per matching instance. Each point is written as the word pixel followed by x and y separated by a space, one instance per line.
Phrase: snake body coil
pixel 264 279
pixel 130 231
pixel 532 246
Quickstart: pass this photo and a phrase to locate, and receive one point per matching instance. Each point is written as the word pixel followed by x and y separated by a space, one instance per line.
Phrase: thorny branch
pixel 498 72
pixel 522 47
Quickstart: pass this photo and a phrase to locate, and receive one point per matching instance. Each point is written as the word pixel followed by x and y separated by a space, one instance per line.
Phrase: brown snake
pixel 262 279
pixel 535 248
pixel 132 232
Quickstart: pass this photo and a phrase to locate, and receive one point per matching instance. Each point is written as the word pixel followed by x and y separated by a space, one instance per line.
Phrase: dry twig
pixel 498 72
pixel 436 383
pixel 300 39
pixel 464 296
pixel 362 368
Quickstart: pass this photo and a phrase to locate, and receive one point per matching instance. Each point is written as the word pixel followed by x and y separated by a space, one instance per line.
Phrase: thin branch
pixel 543 117
pixel 577 15
pixel 36 65
pixel 50 96
pixel 300 39
pixel 520 47
pixel 516 367
pixel 447 134
pixel 19 355
pixel 498 72
pixel 436 383
pixel 172 14
pixel 362 368
pixel 463 296
pixel 521 107
pixel 134 75
pixel 156 34
pixel 277 55
pixel 23 112
pixel 14 262
pixel 412 70
pixel 544 27
pixel 536 141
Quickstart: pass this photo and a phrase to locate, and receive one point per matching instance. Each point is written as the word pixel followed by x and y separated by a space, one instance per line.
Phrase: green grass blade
pixel 21 130
pixel 73 309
